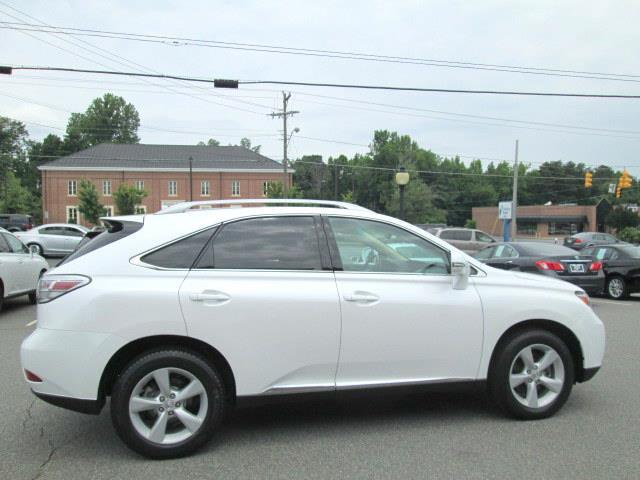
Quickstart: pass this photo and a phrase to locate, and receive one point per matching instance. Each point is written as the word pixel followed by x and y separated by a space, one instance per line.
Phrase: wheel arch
pixel 137 347
pixel 562 331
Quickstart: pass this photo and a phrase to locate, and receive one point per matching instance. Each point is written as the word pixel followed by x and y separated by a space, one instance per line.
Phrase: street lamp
pixel 402 178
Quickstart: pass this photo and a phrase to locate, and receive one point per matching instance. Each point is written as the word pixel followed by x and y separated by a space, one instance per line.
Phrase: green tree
pixel 109 119
pixel 13 143
pixel 127 197
pixel 276 190
pixel 418 204
pixel 246 143
pixel 470 223
pixel 620 218
pixel 212 142
pixel 89 203
pixel 17 198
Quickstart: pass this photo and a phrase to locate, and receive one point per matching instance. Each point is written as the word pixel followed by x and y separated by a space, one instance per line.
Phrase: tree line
pixel 441 189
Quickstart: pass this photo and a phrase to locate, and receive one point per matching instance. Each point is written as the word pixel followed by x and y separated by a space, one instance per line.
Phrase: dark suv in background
pixel 16 222
pixel 589 239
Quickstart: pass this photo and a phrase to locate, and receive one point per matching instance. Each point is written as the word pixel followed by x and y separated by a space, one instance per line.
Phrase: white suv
pixel 180 315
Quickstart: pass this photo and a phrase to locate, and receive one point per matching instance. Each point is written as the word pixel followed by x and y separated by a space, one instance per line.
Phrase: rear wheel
pixel 37 247
pixel 167 403
pixel 616 288
pixel 532 375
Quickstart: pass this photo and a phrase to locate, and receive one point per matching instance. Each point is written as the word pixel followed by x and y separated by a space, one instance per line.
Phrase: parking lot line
pixel 32 322
pixel 612 302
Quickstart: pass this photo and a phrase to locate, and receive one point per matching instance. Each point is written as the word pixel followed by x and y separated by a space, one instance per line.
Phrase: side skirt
pixel 359 392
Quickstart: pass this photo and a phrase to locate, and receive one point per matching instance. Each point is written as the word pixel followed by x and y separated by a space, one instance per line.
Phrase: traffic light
pixel 588 180
pixel 625 180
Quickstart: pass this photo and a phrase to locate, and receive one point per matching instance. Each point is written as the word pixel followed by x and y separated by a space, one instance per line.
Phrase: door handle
pixel 361 297
pixel 209 297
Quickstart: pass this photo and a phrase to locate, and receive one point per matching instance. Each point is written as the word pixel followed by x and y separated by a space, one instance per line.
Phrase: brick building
pixel 165 172
pixel 546 221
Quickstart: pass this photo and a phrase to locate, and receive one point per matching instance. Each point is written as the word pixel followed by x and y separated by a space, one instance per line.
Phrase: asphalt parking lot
pixel 455 435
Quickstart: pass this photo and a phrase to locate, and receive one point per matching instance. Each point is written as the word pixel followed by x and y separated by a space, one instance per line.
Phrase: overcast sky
pixel 571 35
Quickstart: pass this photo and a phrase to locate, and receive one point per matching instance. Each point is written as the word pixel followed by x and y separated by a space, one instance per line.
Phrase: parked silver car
pixel 468 240
pixel 53 238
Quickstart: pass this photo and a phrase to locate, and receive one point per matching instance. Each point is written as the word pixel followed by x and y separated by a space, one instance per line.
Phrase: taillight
pixel 548 265
pixel 32 377
pixel 595 267
pixel 578 240
pixel 53 286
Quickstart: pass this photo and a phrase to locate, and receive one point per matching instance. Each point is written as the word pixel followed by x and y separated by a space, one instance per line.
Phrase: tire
pixel 531 398
pixel 616 288
pixel 33 298
pixel 177 369
pixel 40 250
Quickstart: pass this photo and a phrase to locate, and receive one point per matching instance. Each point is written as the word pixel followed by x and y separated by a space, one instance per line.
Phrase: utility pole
pixel 514 206
pixel 284 114
pixel 191 179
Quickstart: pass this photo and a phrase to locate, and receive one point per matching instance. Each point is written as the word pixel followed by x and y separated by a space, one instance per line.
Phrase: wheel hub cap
pixel 536 376
pixel 168 405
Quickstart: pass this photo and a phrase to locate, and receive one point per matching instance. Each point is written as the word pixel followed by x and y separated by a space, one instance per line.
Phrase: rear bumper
pixel 588 374
pixel 91 407
pixel 590 284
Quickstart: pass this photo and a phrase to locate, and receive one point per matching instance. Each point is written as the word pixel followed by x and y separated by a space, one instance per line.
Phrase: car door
pixel 263 293
pixel 72 237
pixel 16 258
pixel 402 322
pixel 51 238
pixel 503 257
pixel 9 267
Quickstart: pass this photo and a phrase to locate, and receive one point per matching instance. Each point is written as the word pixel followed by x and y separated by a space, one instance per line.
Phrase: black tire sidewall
pixel 147 363
pixel 499 385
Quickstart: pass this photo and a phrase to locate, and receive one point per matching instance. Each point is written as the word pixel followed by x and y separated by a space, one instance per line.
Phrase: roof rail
pixel 185 206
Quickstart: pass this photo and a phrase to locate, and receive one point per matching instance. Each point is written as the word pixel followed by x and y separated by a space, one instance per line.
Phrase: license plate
pixel 576 268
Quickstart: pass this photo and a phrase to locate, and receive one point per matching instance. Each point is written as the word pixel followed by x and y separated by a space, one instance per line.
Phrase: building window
pixel 72 188
pixel 235 188
pixel 140 209
pixel 564 228
pixel 265 188
pixel 173 188
pixel 106 188
pixel 205 188
pixel 72 213
pixel 527 228
pixel 140 184
pixel 108 210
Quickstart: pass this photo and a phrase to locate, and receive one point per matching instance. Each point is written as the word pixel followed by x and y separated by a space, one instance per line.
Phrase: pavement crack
pixel 52 452
pixel 28 416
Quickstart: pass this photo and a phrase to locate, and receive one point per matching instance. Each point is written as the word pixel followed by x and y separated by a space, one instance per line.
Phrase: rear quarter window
pixel 181 254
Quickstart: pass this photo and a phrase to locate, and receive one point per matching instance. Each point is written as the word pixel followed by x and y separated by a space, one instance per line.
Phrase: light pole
pixel 402 178
pixel 287 140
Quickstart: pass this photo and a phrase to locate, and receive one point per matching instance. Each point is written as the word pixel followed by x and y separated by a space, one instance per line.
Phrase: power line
pixel 334 85
pixel 344 55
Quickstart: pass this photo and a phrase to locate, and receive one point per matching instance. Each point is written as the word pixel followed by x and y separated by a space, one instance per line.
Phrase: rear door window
pixel 181 254
pixel 266 243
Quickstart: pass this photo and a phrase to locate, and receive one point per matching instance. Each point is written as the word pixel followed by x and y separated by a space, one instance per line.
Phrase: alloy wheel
pixel 168 406
pixel 536 376
pixel 616 288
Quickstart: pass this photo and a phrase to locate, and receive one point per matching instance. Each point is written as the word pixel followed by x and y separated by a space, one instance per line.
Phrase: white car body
pixel 53 238
pixel 19 268
pixel 295 325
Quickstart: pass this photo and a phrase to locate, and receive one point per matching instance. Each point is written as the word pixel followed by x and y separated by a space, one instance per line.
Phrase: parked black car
pixel 546 259
pixel 16 222
pixel 588 239
pixel 621 265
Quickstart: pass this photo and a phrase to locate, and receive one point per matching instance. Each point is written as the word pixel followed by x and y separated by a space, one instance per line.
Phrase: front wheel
pixel 532 375
pixel 167 403
pixel 37 248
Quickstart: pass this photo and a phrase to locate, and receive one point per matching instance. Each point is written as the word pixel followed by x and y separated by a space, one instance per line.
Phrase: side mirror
pixel 33 249
pixel 460 271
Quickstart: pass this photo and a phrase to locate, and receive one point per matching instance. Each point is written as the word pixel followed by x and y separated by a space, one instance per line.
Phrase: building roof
pixel 112 156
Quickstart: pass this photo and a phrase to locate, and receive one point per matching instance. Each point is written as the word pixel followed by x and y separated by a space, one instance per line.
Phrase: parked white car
pixel 179 315
pixel 53 238
pixel 20 269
